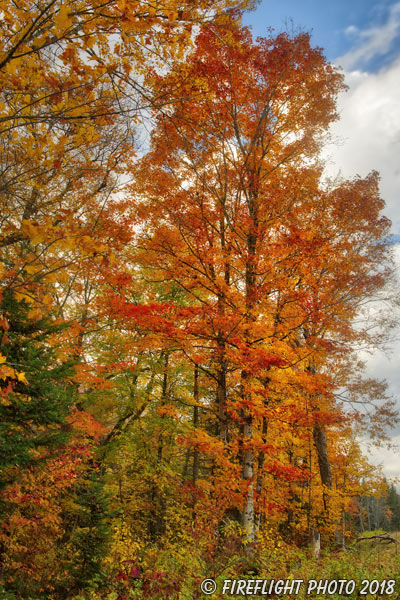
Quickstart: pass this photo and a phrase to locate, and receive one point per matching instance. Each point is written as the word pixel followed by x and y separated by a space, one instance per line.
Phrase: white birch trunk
pixel 248 475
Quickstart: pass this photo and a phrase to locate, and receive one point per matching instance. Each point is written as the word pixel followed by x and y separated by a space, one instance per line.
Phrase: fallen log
pixel 382 537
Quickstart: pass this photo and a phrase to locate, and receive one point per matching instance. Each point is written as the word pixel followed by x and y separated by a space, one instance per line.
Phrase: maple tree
pixel 273 260
pixel 72 87
pixel 74 83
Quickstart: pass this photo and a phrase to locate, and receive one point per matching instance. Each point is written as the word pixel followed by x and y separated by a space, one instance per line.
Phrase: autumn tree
pixel 56 530
pixel 207 305
pixel 35 390
pixel 274 260
pixel 75 83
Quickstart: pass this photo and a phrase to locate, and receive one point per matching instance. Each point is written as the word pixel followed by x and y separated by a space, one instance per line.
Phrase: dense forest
pixel 183 294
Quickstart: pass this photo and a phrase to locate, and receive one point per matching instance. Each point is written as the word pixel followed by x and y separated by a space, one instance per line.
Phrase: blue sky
pixel 362 37
pixel 336 26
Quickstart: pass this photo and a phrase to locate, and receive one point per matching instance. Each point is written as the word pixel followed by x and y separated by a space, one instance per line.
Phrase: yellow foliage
pixel 21 377
pixel 61 19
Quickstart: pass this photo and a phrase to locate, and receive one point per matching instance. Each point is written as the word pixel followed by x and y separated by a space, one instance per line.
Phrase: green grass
pixel 362 562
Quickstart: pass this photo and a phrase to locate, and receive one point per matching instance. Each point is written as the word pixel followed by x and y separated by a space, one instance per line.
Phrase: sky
pixel 363 38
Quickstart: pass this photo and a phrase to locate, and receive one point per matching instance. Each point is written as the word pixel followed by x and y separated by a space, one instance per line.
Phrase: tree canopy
pixel 179 294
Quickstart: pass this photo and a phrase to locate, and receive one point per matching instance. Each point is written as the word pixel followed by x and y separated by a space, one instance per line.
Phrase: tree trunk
pixel 321 445
pixel 196 457
pixel 260 467
pixel 221 402
pixel 248 452
pixel 248 475
pixel 360 515
pixel 315 543
pixel 157 501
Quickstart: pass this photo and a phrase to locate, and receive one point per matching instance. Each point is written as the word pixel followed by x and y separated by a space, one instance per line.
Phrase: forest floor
pixel 364 570
pixel 372 565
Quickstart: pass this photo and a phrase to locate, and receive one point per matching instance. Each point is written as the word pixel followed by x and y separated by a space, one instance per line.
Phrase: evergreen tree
pixel 393 502
pixel 36 425
pixel 87 534
pixel 35 401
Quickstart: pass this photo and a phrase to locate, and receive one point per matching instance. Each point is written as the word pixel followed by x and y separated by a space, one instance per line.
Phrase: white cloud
pixel 374 41
pixel 368 138
pixel 387 458
pixel 351 30
pixel 369 133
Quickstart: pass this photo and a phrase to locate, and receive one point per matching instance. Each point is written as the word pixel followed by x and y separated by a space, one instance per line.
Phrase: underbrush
pixel 365 569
